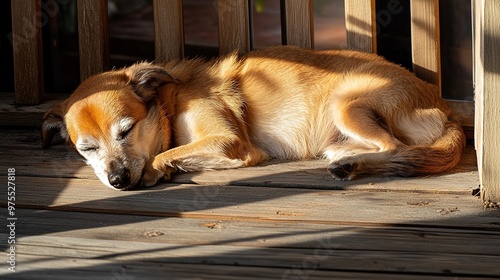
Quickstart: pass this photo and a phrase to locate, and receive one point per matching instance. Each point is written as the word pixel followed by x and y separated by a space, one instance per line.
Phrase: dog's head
pixel 114 121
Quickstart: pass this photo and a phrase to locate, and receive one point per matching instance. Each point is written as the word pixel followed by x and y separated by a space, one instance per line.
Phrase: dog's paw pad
pixel 342 171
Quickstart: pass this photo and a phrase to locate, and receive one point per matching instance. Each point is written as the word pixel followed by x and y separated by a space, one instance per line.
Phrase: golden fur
pixel 364 115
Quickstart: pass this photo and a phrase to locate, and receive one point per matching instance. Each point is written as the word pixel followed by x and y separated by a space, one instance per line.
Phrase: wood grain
pixel 327 256
pixel 93 37
pixel 284 234
pixel 62 161
pixel 360 25
pixel 257 203
pixel 425 40
pixel 43 267
pixel 297 23
pixel 169 34
pixel 488 101
pixel 234 26
pixel 275 220
pixel 26 38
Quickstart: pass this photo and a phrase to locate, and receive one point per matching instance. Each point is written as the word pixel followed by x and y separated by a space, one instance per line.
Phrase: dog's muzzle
pixel 120 178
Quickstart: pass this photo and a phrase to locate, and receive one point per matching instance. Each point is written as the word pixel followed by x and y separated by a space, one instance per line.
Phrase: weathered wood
pixel 297 23
pixel 62 161
pixel 254 203
pixel 258 234
pixel 234 26
pixel 360 25
pixel 13 115
pixel 311 174
pixel 324 257
pixel 93 37
pixel 478 74
pixel 169 34
pixel 466 113
pixel 54 268
pixel 425 40
pixel 487 69
pixel 26 39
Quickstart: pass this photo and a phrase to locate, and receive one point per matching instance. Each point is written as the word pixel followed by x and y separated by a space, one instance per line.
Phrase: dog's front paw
pixel 151 175
pixel 344 172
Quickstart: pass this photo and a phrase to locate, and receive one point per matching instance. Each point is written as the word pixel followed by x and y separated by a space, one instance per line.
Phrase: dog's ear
pixel 53 123
pixel 147 78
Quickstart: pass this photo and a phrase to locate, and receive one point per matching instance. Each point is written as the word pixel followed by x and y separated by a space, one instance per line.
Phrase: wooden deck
pixel 280 220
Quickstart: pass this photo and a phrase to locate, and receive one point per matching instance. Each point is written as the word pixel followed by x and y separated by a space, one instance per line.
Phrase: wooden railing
pixel 234 33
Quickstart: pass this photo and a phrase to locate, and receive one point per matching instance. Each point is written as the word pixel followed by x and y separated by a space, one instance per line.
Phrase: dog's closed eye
pixel 88 149
pixel 122 129
pixel 125 132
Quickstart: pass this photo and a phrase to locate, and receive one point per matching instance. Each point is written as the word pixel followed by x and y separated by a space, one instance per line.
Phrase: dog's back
pixel 343 104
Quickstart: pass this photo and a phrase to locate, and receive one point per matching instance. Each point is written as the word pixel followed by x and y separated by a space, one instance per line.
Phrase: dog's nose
pixel 120 178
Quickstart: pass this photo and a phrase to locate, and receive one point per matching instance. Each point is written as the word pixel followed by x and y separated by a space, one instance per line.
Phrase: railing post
pixel 425 40
pixel 297 23
pixel 169 34
pixel 234 26
pixel 26 39
pixel 93 37
pixel 360 25
pixel 486 18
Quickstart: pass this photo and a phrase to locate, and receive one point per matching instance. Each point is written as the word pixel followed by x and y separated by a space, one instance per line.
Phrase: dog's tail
pixel 444 154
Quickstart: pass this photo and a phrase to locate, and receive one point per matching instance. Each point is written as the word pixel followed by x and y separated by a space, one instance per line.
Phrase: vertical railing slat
pixel 28 51
pixel 425 40
pixel 486 86
pixel 169 34
pixel 360 25
pixel 93 37
pixel 297 23
pixel 234 26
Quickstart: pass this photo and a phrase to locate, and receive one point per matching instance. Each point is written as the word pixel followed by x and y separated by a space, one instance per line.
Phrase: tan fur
pixel 360 112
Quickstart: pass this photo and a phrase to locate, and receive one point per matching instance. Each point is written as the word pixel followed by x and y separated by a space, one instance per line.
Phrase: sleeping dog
pixel 359 112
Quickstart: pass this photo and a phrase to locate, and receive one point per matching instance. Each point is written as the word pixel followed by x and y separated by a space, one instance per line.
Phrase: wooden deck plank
pixel 63 162
pixel 272 221
pixel 282 234
pixel 256 203
pixel 49 268
pixel 321 258
pixel 14 115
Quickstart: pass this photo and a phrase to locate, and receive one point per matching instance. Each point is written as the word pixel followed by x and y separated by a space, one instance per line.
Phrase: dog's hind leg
pixel 367 142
